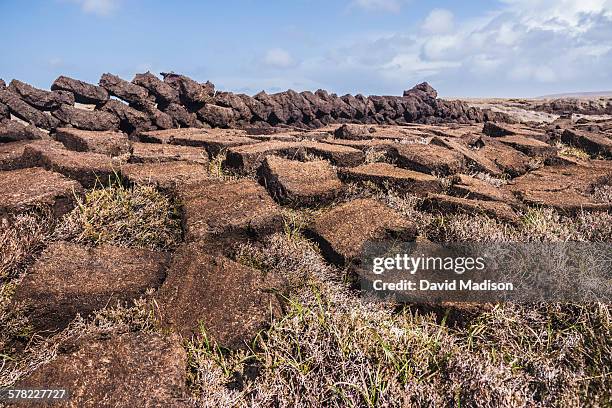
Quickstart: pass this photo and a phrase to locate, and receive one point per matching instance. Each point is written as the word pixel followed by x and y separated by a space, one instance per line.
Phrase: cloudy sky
pixel 471 48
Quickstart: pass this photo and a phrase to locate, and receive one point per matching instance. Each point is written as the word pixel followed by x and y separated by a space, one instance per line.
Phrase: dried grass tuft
pixel 21 237
pixel 138 216
pixel 571 151
pixel 603 194
pixel 373 155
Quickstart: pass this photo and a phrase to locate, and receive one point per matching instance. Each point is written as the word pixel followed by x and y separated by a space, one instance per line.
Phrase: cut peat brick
pixel 128 370
pixel 41 99
pixel 87 168
pixel 240 207
pixel 158 118
pixel 217 116
pixel 182 116
pixel 447 204
pixel 565 188
pixel 166 176
pixel 164 136
pixel 13 131
pixel 155 153
pixel 531 147
pixel 343 231
pixel 129 92
pixel 83 92
pixel 26 112
pixel 300 183
pixel 339 155
pixel 593 143
pixel 353 132
pixel 381 132
pixel 191 93
pixel 11 155
pixel 246 159
pixel 26 189
pixel 474 159
pixel 508 159
pixel 389 176
pixel 214 140
pixel 164 93
pixel 70 279
pixel 87 119
pixel 232 302
pixel 428 158
pixel 473 188
pixel 493 129
pixel 108 143
pixel 569 202
pixel 130 119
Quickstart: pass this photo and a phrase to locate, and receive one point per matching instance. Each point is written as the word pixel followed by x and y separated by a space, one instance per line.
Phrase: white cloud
pixel 558 14
pixel 507 34
pixel 393 6
pixel 524 47
pixel 99 7
pixel 441 47
pixel 413 67
pixel 520 48
pixel 278 58
pixel 439 21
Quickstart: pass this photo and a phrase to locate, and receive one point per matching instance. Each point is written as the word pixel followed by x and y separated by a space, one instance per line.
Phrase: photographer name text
pixel 406 285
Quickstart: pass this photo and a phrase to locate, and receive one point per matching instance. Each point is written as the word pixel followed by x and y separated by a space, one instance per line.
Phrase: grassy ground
pixel 337 349
pixel 334 347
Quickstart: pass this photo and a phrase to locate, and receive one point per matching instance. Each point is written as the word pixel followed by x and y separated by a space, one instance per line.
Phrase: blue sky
pixel 463 48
